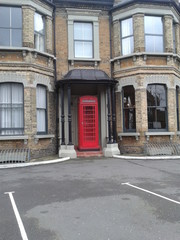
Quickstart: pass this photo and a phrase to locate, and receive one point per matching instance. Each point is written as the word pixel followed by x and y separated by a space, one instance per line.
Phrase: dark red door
pixel 88 123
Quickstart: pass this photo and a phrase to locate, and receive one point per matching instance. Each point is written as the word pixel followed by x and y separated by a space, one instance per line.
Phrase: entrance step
pixel 86 154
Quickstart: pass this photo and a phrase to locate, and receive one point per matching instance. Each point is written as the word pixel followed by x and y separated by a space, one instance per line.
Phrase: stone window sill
pixel 148 134
pixel 129 134
pixel 14 138
pixel 145 55
pixel 48 136
pixel 93 60
pixel 25 50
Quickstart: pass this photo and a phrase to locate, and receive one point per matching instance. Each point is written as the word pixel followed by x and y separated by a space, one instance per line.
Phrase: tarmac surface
pixel 97 198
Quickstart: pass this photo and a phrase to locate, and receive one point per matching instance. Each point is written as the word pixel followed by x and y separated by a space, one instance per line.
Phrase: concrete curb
pixel 147 157
pixel 29 164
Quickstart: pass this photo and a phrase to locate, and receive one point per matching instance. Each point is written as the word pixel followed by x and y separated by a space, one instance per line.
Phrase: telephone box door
pixel 88 123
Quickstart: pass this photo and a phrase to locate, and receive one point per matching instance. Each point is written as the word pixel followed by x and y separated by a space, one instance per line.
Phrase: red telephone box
pixel 88 123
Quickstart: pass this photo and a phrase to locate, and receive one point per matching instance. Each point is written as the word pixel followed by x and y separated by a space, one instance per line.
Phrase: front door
pixel 88 123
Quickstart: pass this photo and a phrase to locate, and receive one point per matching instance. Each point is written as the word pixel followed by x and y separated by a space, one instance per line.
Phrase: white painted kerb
pixel 18 165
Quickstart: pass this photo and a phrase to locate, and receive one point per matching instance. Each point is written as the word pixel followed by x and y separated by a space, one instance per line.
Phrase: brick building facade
pixel 112 64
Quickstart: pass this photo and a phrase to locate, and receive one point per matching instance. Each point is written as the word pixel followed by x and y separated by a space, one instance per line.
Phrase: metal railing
pixel 14 155
pixel 162 148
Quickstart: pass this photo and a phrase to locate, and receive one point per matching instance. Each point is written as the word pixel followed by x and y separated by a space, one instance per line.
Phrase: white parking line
pixel 144 190
pixel 18 218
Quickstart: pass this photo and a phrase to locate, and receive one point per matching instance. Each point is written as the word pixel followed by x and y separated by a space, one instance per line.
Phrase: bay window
pixel 129 114
pixel 11 109
pixel 157 107
pixel 83 40
pixel 127 38
pixel 153 34
pixel 39 32
pixel 10 26
pixel 41 109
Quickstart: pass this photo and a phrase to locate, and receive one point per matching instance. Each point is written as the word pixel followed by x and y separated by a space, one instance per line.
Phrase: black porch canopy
pixel 88 76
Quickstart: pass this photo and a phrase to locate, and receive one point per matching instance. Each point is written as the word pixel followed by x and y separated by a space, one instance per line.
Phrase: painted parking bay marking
pixel 145 190
pixel 17 215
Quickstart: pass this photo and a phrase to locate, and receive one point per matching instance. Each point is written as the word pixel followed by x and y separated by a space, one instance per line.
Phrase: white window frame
pixel 39 34
pixel 82 41
pixel 158 35
pixel 79 16
pixel 10 28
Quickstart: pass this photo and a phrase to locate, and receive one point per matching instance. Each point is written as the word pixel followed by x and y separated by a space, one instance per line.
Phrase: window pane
pixel 127 27
pixel 41 121
pixel 129 119
pixel 83 31
pixel 151 95
pixel 4 17
pixel 129 96
pixel 38 23
pixel 39 42
pixel 153 25
pixel 16 37
pixel 156 100
pixel 17 116
pixel 4 37
pixel 41 97
pixel 129 115
pixel 83 49
pixel 41 108
pixel 127 45
pixel 154 43
pixel 160 95
pixel 11 109
pixel 161 117
pixel 16 18
pixel 17 93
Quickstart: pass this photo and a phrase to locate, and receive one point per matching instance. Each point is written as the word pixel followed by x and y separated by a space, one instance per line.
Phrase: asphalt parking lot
pixel 94 199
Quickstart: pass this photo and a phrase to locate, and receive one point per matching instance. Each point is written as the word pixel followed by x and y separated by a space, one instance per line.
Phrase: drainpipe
pixel 55 79
pixel 112 87
pixel 110 35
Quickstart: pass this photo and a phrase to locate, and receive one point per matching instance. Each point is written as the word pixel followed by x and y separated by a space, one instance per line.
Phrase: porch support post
pixel 113 114
pixel 112 147
pixel 109 113
pixel 69 114
pixel 62 115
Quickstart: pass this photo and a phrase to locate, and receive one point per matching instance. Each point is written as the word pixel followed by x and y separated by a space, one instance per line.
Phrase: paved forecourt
pixel 92 199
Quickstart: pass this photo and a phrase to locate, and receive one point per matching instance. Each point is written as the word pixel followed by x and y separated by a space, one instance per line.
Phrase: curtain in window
pixel 11 109
pixel 127 36
pixel 83 40
pixel 41 108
